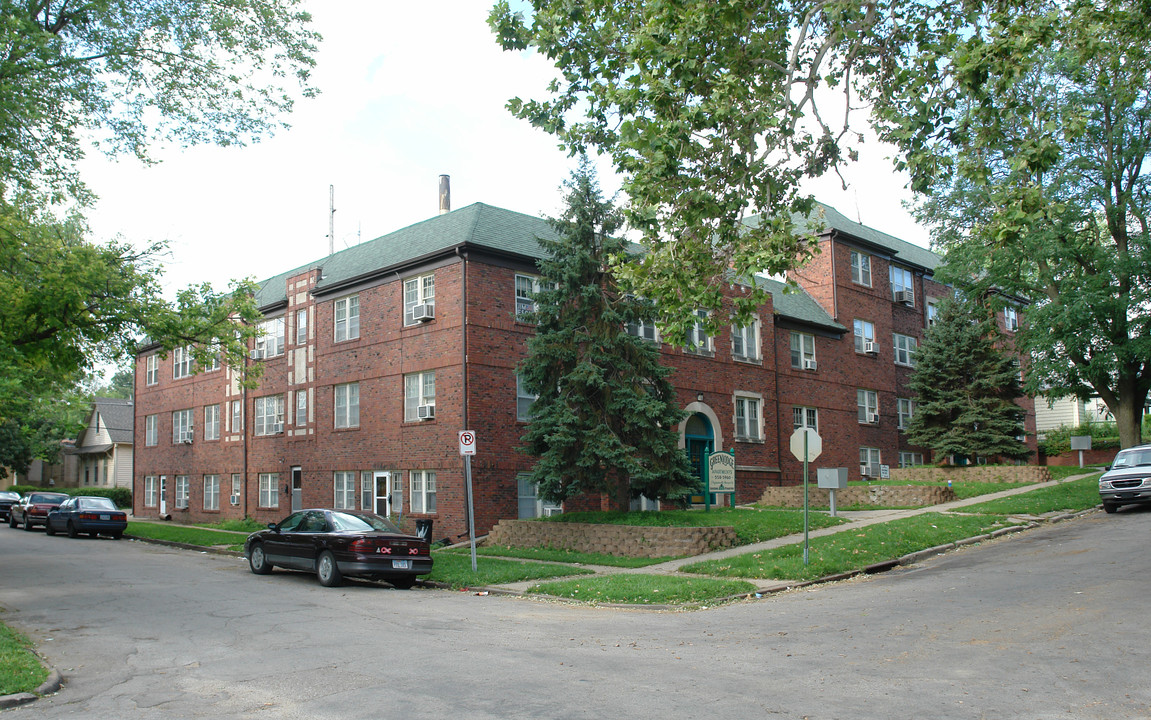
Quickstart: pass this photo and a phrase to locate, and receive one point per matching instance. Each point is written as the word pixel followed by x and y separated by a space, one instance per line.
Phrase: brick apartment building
pixel 377 356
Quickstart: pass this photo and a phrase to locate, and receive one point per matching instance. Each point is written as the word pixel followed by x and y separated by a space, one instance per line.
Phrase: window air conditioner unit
pixel 426 412
pixel 257 354
pixel 873 418
pixel 234 499
pixel 870 347
pixel 809 363
pixel 905 296
pixel 423 313
pixel 549 511
pixel 278 428
pixel 864 470
pixel 186 441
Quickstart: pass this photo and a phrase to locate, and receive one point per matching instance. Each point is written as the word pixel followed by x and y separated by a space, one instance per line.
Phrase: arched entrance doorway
pixel 698 442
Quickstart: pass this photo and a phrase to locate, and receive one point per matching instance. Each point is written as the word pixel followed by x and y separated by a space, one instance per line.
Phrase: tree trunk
pixel 1129 420
pixel 621 498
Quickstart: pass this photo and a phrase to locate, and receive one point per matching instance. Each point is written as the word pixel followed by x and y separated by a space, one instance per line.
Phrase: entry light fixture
pixel 699 397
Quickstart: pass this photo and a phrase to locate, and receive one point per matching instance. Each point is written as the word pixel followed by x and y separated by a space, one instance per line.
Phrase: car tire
pixel 327 570
pixel 27 525
pixel 258 561
pixel 1109 507
pixel 117 535
pixel 402 583
pixel 72 530
pixel 48 529
pixel 12 521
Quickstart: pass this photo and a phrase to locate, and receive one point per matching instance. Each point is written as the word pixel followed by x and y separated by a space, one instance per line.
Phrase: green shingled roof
pixel 832 219
pixel 796 304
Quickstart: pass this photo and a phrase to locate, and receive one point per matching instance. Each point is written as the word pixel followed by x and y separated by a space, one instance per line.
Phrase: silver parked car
pixel 1128 479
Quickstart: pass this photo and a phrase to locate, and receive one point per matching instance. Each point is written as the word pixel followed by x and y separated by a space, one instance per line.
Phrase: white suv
pixel 1128 479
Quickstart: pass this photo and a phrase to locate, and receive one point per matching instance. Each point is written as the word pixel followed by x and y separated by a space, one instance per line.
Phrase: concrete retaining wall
pixel 878 495
pixel 624 540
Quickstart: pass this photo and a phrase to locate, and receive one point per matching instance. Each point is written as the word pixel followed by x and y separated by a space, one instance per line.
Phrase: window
pixel 181 363
pixel 237 416
pixel 236 487
pixel 213 362
pixel 301 408
pixel 347 405
pixel 910 459
pixel 348 318
pixel 864 337
pixel 745 341
pixel 182 426
pixel 868 405
pixel 1010 319
pixel 151 436
pixel 423 491
pixel 419 392
pixel 697 337
pixel 802 351
pixel 524 401
pixel 644 329
pixel 860 268
pixel 269 490
pixel 211 492
pixel 902 285
pixel 152 373
pixel 419 292
pixel 747 415
pixel 805 417
pixel 181 491
pixel 212 422
pixel 151 488
pixel 302 326
pixel 904 409
pixel 932 312
pixel 270 342
pixel 345 491
pixel 870 457
pixel 526 289
pixel 530 504
pixel 905 349
pixel 269 414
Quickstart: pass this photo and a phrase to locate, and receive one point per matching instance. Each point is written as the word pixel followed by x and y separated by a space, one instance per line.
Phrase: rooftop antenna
pixel 331 219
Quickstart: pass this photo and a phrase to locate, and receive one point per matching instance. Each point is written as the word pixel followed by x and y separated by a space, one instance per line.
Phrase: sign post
pixel 806 445
pixel 721 474
pixel 1080 443
pixel 467 449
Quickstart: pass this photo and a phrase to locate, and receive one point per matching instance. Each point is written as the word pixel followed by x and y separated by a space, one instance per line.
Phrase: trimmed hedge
pixel 119 495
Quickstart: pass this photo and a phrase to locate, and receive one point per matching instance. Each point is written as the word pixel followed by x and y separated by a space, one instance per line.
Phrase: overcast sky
pixel 409 91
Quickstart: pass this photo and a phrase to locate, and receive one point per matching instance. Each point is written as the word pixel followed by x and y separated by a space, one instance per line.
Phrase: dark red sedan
pixel 33 509
pixel 335 543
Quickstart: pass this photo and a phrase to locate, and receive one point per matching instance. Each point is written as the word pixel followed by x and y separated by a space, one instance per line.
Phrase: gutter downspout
pixel 468 511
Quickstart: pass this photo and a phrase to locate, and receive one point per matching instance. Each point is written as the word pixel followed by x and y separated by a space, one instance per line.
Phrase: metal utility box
pixel 1080 442
pixel 832 478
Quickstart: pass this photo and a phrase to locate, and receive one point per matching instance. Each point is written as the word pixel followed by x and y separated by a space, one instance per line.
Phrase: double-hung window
pixel 870 458
pixel 182 426
pixel 805 417
pixel 211 492
pixel 905 410
pixel 181 491
pixel 212 422
pixel 151 434
pixel 151 490
pixel 347 318
pixel 269 490
pixel 419 299
pixel 932 312
pixel 344 486
pixel 1010 319
pixel 301 408
pixel 905 346
pixel 347 405
pixel 860 268
pixel 747 417
pixel 423 484
pixel 745 341
pixel 802 351
pixel 419 392
pixel 867 402
pixel 152 371
pixel 698 341
pixel 181 363
pixel 524 401
pixel 865 337
pixel 902 285
pixel 302 326
pixel 270 341
pixel 269 414
pixel 237 416
pixel 910 459
pixel 526 289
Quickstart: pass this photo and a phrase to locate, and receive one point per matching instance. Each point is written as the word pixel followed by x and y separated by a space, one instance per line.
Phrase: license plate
pixel 105 517
pixel 402 564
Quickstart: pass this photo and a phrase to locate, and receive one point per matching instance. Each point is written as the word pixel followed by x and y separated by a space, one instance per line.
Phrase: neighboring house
pixel 58 474
pixel 1072 412
pixel 103 450
pixel 376 357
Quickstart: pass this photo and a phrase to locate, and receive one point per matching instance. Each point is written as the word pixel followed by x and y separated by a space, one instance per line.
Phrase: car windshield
pixel 5 495
pixel 1132 458
pixel 362 523
pixel 96 503
pixel 47 498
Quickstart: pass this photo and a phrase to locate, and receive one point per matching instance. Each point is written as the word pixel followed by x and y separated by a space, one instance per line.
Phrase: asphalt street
pixel 1043 624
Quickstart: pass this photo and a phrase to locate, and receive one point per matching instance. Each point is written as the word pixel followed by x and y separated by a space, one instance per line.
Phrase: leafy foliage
pixel 605 417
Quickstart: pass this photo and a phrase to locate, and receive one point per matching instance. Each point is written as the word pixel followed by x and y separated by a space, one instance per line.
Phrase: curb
pixel 49 686
pixel 184 546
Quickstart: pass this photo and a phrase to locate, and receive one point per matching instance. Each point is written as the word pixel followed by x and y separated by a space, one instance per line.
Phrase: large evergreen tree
pixel 965 387
pixel 605 417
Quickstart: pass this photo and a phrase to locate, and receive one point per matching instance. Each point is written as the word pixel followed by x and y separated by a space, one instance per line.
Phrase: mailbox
pixel 831 478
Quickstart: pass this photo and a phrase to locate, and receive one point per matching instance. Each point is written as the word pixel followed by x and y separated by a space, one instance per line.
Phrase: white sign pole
pixel 805 542
pixel 467 449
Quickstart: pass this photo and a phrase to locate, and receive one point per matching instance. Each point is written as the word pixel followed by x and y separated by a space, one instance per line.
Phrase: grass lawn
pixel 456 570
pixel 188 534
pixel 1068 496
pixel 563 556
pixel 853 550
pixel 751 525
pixel 20 668
pixel 644 589
pixel 247 525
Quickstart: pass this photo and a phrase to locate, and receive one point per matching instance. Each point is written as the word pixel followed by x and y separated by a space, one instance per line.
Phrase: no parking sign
pixel 467 442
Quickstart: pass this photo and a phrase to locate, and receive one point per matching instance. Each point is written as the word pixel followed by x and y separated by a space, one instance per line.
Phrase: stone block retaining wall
pixel 879 495
pixel 624 540
pixel 974 473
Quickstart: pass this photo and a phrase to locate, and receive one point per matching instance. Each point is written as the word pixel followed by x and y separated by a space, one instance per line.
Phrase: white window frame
pixel 302 326
pixel 864 331
pixel 644 330
pixel 799 349
pixel 237 417
pixel 181 362
pixel 301 408
pixel 904 410
pixel 748 337
pixel 423 491
pixel 932 311
pixel 211 492
pixel 213 358
pixel 270 341
pixel 181 426
pixel 870 456
pixel 910 459
pixel 860 268
pixel 698 341
pixel 867 404
pixel 419 389
pixel 151 490
pixel 524 401
pixel 151 430
pixel 269 491
pixel 902 279
pixel 905 347
pixel 418 290
pixel 211 422
pixel 269 414
pixel 344 490
pixel 346 404
pixel 748 416
pixel 237 484
pixel 1010 319
pixel 802 416
pixel 152 369
pixel 346 318
pixel 181 482
pixel 526 287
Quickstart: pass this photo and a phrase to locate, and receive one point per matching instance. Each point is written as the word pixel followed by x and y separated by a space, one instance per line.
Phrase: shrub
pixel 119 495
pixel 1104 436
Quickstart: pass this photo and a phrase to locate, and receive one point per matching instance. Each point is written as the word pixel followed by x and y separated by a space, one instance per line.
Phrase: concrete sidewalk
pixel 857 519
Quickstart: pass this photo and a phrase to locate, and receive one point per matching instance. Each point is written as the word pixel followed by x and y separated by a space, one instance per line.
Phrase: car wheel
pixel 27 525
pixel 11 521
pixel 258 561
pixel 49 529
pixel 327 570
pixel 117 535
pixel 402 583
pixel 1109 507
pixel 72 530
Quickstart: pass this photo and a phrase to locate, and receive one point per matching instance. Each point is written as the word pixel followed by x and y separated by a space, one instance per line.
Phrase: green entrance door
pixel 698 441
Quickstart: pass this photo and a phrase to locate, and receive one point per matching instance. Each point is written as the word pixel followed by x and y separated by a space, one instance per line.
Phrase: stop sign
pixel 814 444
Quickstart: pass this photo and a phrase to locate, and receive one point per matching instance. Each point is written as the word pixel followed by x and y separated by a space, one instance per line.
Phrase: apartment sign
pixel 721 472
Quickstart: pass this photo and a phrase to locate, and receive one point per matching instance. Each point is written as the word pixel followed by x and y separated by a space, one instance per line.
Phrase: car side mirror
pixel 1106 468
pixel 274 527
